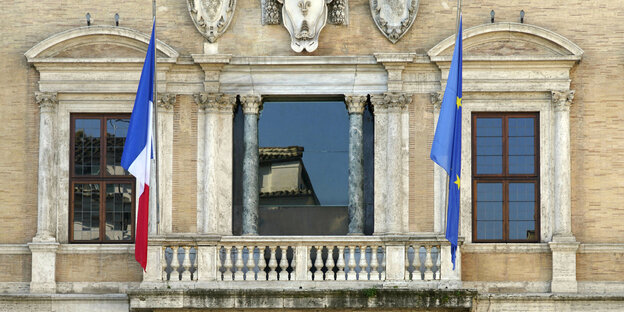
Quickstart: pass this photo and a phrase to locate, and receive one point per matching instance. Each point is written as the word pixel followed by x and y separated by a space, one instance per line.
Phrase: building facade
pixel 540 218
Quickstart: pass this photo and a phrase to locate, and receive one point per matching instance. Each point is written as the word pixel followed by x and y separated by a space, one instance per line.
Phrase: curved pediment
pixel 97 42
pixel 509 41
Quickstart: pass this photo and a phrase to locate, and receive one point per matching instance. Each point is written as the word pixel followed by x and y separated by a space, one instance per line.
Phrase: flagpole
pixel 155 124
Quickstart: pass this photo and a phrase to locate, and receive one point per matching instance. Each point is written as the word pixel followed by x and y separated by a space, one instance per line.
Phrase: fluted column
pixel 355 106
pixel 252 105
pixel 439 175
pixel 165 104
pixel 214 215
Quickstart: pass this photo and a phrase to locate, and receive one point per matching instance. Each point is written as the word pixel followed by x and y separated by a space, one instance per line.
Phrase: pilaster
pixel 439 175
pixel 165 104
pixel 252 105
pixel 43 272
pixel 355 106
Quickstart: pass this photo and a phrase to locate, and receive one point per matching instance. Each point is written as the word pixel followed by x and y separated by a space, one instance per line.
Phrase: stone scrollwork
pixel 338 12
pixel 166 101
pixel 562 100
pixel 394 17
pixel 46 100
pixel 271 12
pixel 436 99
pixel 215 102
pixel 211 17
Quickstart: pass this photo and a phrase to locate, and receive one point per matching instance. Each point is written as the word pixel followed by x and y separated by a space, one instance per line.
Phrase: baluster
pixel 238 263
pixel 374 274
pixel 293 264
pixel 318 264
pixel 363 275
pixel 417 273
pixel 186 263
pixel 428 264
pixel 383 264
pixel 262 264
pixel 408 274
pixel 175 264
pixel 351 276
pixel 310 264
pixel 438 263
pixel 279 262
pixel 341 275
pixel 283 263
pixel 330 264
pixel 227 275
pixel 272 264
pixel 246 261
pixel 163 262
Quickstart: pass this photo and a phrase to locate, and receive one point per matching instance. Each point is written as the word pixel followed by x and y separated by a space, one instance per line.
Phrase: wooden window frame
pixel 102 179
pixel 505 178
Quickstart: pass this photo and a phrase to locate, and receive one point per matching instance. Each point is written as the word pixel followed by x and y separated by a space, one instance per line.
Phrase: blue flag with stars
pixel 446 147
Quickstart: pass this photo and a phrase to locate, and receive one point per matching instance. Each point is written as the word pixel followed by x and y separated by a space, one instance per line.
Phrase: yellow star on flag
pixel 459 102
pixel 458 181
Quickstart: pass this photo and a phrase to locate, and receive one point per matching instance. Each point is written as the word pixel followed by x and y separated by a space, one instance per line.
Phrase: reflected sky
pixel 322 128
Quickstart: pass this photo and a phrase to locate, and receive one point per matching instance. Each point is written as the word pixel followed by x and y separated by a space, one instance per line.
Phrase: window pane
pixel 522 211
pixel 489 144
pixel 86 211
pixel 116 130
pixel 304 153
pixel 119 211
pixel 87 147
pixel 521 127
pixel 489 210
pixel 521 146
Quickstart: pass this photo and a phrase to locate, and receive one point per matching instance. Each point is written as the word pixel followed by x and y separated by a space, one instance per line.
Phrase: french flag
pixel 138 149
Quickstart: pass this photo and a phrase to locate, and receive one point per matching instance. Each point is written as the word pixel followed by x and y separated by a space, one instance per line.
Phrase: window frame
pixel 102 179
pixel 505 178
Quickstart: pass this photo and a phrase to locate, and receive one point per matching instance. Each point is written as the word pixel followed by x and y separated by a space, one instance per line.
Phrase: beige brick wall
pixel 421 166
pixel 600 267
pixel 97 268
pixel 185 165
pixel 499 267
pixel 15 268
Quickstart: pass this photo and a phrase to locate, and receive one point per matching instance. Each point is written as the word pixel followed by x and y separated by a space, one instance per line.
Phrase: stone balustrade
pixel 296 258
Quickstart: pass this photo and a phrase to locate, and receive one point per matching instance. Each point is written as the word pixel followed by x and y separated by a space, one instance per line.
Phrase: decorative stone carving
pixel 166 100
pixel 215 102
pixel 355 103
pixel 252 104
pixel 394 17
pixel 436 99
pixel 338 12
pixel 304 20
pixel 211 17
pixel 397 101
pixel 271 12
pixel 46 100
pixel 562 100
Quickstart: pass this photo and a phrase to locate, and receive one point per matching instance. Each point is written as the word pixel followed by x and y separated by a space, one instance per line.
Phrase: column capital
pixel 562 100
pixel 355 103
pixel 436 99
pixel 166 101
pixel 215 102
pixel 47 101
pixel 252 104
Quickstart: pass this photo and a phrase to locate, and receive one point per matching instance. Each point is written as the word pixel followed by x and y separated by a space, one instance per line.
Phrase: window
pixel 505 171
pixel 102 193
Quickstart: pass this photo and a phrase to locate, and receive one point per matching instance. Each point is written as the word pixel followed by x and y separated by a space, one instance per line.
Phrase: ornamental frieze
pixel 211 17
pixel 394 17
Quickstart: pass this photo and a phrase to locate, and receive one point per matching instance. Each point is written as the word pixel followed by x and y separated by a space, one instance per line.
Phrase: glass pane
pixel 522 211
pixel 521 146
pixel 87 147
pixel 86 211
pixel 304 153
pixel 489 211
pixel 489 145
pixel 116 130
pixel 119 212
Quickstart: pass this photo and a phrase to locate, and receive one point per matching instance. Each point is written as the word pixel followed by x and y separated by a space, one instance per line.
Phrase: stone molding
pixel 562 100
pixel 166 101
pixel 215 102
pixel 251 104
pixel 436 99
pixel 47 101
pixel 356 103
pixel 211 18
pixel 394 25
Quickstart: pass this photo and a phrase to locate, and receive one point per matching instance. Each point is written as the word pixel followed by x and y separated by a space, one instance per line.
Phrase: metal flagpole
pixel 155 124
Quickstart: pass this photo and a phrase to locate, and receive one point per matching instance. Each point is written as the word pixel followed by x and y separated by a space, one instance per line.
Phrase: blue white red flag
pixel 138 149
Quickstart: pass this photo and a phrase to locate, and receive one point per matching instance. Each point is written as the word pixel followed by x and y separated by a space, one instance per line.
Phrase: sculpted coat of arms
pixel 211 17
pixel 394 17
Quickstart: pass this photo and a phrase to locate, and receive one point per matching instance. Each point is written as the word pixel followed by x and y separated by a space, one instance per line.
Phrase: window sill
pixel 505 248
pixel 96 249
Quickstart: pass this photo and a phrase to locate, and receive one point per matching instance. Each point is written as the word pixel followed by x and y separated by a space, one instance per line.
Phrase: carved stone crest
pixel 394 17
pixel 211 17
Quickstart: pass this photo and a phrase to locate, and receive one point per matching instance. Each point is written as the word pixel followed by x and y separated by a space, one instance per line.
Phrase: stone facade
pixel 564 62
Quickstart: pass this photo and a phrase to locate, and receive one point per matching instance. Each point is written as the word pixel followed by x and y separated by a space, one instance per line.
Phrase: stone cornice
pixel 166 101
pixel 562 100
pixel 252 104
pixel 355 103
pixel 215 102
pixel 47 101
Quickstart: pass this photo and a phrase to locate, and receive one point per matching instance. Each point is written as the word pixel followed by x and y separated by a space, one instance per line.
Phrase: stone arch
pixel 509 40
pixel 98 42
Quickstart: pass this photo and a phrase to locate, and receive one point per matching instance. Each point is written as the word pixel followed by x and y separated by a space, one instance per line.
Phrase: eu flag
pixel 446 147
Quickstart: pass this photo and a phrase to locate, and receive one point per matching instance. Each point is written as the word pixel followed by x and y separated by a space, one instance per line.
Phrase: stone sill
pixel 367 298
pixel 504 248
pixel 532 297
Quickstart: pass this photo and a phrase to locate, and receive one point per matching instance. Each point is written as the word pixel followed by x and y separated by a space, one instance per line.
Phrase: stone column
pixel 391 156
pixel 252 105
pixel 439 175
pixel 214 215
pixel 166 101
pixel 44 245
pixel 564 245
pixel 355 106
